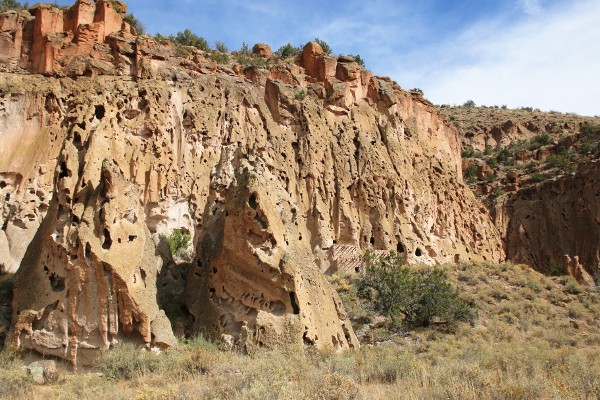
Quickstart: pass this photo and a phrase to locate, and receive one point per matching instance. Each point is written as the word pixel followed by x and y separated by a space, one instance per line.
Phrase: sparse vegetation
pixel 221 47
pixel 539 141
pixel 535 337
pixel 160 39
pixel 7 5
pixel 188 38
pixel 300 95
pixel 178 241
pixel 135 23
pixel 287 51
pixel 219 58
pixel 357 59
pixel 538 177
pixel 411 297
pixel 324 46
pixel 470 174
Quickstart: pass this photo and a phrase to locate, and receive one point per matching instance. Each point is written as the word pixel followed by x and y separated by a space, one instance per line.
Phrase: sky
pixel 520 53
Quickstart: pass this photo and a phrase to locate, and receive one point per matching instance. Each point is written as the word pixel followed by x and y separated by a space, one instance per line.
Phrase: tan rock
pixel 261 49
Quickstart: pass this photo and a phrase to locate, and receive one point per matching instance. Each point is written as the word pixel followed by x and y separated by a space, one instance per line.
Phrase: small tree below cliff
pixel 412 297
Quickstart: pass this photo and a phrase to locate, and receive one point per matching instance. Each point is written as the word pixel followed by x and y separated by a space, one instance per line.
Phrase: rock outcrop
pixel 273 171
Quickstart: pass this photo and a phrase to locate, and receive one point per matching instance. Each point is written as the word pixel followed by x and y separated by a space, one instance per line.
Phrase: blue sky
pixel 538 53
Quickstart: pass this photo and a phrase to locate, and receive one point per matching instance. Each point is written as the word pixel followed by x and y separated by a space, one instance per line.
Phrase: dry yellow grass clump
pixel 535 338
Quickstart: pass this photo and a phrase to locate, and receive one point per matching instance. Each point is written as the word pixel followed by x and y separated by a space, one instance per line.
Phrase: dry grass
pixel 535 338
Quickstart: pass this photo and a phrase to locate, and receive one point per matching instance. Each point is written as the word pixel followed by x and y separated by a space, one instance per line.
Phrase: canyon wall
pixel 274 171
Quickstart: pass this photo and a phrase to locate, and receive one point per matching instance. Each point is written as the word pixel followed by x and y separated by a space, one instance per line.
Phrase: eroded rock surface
pixel 551 224
pixel 275 172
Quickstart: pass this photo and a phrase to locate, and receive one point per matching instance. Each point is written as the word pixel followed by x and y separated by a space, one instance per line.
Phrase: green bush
pixel 490 177
pixel 589 129
pixel 160 39
pixel 468 152
pixel 539 141
pixel 469 104
pixel 412 297
pixel 470 174
pixel 497 192
pixel 538 177
pixel 503 155
pixel 178 240
pixel 300 95
pixel 287 51
pixel 557 161
pixel 357 59
pixel 324 46
pixel 220 58
pixel 138 25
pixel 188 38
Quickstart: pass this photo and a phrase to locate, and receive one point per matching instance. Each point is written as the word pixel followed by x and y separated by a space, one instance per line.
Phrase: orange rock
pixel 482 170
pixel 261 49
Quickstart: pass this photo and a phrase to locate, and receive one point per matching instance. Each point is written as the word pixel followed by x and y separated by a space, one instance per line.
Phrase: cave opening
pixel 294 303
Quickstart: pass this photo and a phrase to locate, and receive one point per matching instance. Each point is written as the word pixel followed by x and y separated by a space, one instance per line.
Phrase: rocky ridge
pixel 280 173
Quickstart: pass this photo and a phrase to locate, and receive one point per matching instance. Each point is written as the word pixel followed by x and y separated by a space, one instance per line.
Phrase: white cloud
pixel 531 7
pixel 550 61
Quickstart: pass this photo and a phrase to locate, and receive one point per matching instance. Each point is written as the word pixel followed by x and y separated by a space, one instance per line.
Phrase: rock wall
pixel 553 223
pixel 269 169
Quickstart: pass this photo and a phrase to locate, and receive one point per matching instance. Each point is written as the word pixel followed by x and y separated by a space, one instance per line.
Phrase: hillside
pixel 535 337
pixel 537 174
pixel 191 223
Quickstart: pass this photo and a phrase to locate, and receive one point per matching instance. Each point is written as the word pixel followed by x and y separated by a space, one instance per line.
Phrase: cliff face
pixel 280 174
pixel 554 226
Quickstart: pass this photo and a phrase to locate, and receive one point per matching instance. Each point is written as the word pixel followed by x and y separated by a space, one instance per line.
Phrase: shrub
pixel 557 161
pixel 138 25
pixel 589 129
pixel 538 177
pixel 178 240
pixel 469 104
pixel 188 38
pixel 324 46
pixel 468 152
pixel 160 39
pixel 497 192
pixel 220 58
pixel 220 46
pixel 453 118
pixel 417 90
pixel 490 177
pixel 539 141
pixel 300 95
pixel 492 163
pixel 415 298
pixel 357 59
pixel 470 174
pixel 287 51
pixel 503 155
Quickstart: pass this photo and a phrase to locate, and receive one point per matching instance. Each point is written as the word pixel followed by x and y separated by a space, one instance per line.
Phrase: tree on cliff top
pixel 188 38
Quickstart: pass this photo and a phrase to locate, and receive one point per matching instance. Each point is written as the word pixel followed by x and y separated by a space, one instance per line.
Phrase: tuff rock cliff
pixel 281 174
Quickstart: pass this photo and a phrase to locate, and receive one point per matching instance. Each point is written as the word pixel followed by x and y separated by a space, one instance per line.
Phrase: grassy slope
pixel 536 337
